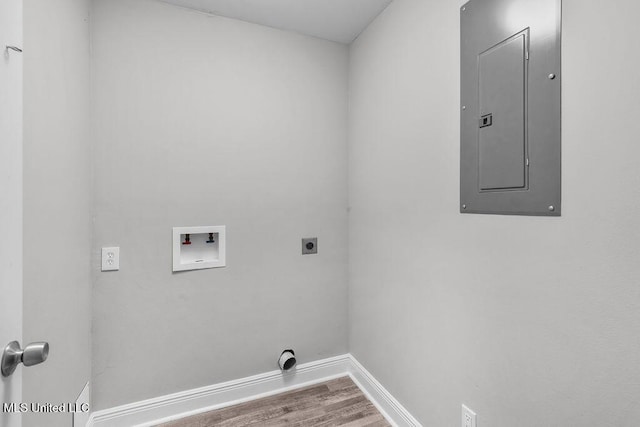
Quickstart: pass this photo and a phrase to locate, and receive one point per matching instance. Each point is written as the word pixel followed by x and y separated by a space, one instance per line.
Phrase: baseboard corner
pixel 191 402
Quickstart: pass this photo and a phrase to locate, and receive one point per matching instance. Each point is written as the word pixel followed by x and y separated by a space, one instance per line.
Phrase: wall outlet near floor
pixel 110 259
pixel 468 417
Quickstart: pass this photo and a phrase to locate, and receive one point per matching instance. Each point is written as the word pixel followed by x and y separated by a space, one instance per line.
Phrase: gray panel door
pixel 510 122
pixel 501 132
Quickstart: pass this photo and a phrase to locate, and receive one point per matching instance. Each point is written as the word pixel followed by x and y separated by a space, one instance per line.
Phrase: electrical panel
pixel 510 107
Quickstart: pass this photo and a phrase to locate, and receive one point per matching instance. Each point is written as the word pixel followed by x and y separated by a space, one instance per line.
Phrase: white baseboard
pixel 166 408
pixel 392 410
pixel 81 418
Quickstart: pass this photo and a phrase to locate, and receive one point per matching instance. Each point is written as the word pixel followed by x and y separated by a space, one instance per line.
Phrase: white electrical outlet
pixel 110 259
pixel 468 417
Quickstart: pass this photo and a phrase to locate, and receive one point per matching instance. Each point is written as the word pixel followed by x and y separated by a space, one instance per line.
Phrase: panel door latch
pixel 486 120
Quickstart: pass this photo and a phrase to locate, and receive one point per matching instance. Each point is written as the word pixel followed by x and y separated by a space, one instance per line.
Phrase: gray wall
pixel 201 120
pixel 529 321
pixel 57 202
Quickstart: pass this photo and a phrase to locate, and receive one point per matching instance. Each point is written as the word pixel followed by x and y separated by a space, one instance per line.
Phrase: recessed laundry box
pixel 197 248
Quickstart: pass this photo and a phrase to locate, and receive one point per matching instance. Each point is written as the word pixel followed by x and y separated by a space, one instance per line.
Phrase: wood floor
pixel 334 403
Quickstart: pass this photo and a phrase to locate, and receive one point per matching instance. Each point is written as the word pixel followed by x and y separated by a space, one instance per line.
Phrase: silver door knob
pixel 32 354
